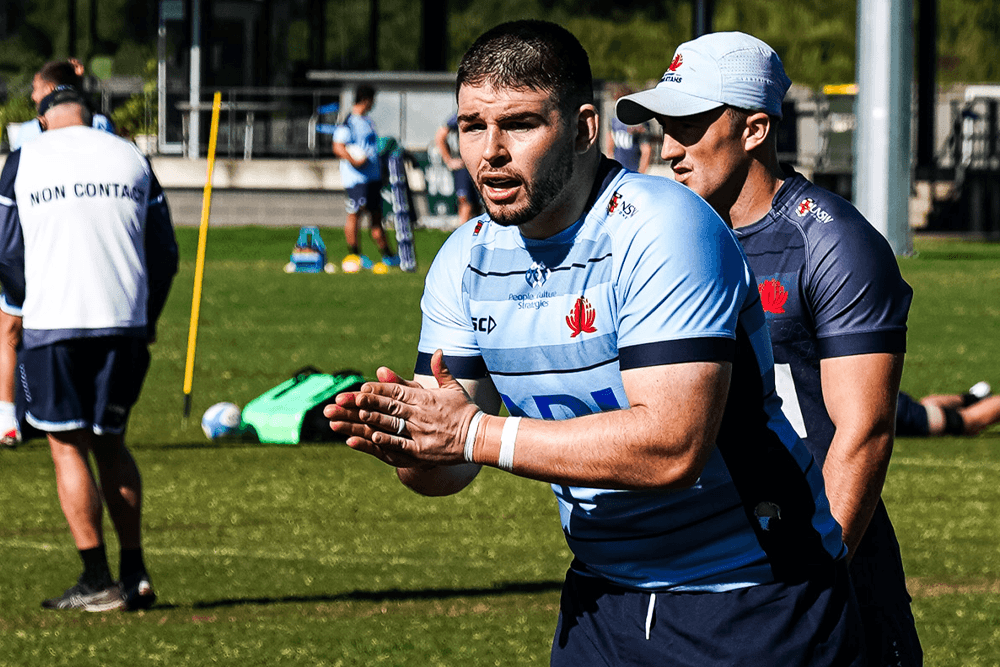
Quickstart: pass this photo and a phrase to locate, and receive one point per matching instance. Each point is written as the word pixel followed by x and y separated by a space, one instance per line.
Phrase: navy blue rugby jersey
pixel 830 287
pixel 649 275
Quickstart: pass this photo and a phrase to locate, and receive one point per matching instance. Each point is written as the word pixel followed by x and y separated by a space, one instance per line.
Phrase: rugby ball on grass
pixel 221 420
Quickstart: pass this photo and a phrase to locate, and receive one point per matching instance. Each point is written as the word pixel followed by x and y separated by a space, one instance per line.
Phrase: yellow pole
pixel 199 268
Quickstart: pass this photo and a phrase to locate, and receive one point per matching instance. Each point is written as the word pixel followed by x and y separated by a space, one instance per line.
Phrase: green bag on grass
pixel 292 412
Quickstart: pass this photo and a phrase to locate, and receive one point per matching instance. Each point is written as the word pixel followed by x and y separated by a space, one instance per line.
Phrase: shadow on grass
pixel 393 595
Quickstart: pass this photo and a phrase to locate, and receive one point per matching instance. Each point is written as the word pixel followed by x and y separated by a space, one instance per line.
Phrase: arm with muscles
pixel 860 396
pixel 662 441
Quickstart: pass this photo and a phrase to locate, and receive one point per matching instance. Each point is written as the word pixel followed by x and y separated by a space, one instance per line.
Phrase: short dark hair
pixel 364 93
pixel 61 73
pixel 534 55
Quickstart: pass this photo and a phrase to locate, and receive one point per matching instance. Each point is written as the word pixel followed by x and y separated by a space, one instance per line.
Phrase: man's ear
pixel 756 131
pixel 587 121
pixel 41 122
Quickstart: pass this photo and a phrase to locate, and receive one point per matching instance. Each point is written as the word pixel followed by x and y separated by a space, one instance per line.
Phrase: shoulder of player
pixel 825 218
pixel 476 231
pixel 811 206
pixel 633 200
pixel 836 234
pixel 456 253
pixel 81 139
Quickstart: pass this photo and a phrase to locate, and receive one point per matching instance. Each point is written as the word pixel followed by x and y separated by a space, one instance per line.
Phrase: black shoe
pixel 137 592
pixel 86 598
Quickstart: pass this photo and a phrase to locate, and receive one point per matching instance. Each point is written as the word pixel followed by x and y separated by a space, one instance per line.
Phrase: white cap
pixel 730 68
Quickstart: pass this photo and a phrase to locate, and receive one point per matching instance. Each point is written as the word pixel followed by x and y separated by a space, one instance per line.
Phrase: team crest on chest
pixel 773 296
pixel 581 318
pixel 537 274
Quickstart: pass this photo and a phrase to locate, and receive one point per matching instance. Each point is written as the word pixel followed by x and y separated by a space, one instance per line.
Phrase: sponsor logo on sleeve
pixel 613 204
pixel 809 205
pixel 620 206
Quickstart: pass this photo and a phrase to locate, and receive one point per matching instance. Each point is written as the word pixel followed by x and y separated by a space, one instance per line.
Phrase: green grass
pixel 315 555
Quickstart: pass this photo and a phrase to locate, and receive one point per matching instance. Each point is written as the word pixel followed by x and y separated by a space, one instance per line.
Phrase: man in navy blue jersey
pixel 832 292
pixel 615 316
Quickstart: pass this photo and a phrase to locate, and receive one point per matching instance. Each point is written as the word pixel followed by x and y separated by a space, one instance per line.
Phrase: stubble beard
pixel 539 195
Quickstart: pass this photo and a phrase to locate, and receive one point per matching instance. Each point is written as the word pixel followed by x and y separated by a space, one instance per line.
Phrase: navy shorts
pixel 911 417
pixel 84 383
pixel 464 187
pixel 891 636
pixel 814 623
pixel 366 196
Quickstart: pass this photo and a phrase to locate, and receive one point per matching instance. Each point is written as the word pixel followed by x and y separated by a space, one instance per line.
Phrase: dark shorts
pixel 464 186
pixel 86 383
pixel 811 623
pixel 880 588
pixel 911 417
pixel 366 196
pixel 891 637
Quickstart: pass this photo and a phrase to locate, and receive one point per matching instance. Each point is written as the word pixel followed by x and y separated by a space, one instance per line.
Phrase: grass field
pixel 314 555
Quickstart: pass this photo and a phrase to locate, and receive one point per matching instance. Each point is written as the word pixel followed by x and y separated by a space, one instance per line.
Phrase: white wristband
pixel 470 437
pixel 507 438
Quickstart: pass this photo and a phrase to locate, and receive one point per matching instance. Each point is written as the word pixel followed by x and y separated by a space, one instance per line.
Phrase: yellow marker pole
pixel 199 268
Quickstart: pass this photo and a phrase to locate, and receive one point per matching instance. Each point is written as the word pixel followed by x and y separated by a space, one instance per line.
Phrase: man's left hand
pixel 403 423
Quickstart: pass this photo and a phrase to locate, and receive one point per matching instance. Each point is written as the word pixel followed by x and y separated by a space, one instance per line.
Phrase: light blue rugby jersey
pixel 638 282
pixel 359 131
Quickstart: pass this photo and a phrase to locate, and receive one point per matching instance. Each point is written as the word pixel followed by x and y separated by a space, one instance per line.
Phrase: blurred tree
pixel 629 40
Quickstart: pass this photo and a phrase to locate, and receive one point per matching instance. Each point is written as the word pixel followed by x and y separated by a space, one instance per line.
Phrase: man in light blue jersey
pixel 835 301
pixel 615 316
pixel 356 144
pixel 87 257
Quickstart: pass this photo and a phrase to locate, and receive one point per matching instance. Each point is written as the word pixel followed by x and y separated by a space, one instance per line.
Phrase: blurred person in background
pixel 948 414
pixel 469 204
pixel 355 142
pixel 630 145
